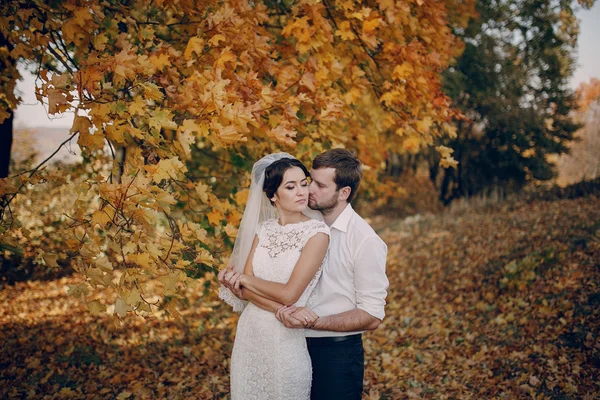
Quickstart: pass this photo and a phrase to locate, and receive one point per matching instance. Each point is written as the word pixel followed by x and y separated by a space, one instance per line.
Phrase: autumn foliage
pixel 175 99
pixel 501 302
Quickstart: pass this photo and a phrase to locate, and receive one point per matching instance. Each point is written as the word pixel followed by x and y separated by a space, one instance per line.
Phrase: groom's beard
pixel 326 207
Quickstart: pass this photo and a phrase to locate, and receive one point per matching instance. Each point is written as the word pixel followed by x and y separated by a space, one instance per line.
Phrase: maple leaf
pixel 194 45
pixel 160 61
pixel 345 31
pixel 214 41
pixel 241 197
pixel 283 135
pixel 231 230
pixel 215 216
pixel 165 200
pixel 166 169
pixel 186 138
pixel 203 256
pixel 161 118
pixel 57 101
pixel 81 124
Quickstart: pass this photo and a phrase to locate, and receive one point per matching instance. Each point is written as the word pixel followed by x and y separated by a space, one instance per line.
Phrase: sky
pixel 31 113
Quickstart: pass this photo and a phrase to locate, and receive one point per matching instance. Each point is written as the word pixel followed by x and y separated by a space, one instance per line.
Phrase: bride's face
pixel 292 194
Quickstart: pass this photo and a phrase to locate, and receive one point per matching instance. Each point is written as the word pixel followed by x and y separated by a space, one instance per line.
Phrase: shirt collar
pixel 342 221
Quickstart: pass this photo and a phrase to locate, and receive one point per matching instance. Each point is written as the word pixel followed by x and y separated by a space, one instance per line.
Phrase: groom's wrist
pixel 318 324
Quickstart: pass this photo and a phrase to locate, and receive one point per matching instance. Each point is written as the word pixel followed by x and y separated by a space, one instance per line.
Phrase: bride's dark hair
pixel 274 174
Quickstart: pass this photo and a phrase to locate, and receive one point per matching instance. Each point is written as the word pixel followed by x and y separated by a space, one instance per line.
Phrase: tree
pixel 582 161
pixel 8 102
pixel 511 84
pixel 190 92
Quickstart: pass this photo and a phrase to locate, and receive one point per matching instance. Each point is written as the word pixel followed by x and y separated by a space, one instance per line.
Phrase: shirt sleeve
pixel 370 280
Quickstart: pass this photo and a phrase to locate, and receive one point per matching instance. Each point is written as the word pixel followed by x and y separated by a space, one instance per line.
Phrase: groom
pixel 350 296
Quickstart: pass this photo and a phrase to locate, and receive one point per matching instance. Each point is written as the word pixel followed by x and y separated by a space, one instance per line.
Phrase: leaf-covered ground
pixel 499 303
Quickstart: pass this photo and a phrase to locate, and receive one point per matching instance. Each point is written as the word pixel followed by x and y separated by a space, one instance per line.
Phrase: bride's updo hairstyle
pixel 274 174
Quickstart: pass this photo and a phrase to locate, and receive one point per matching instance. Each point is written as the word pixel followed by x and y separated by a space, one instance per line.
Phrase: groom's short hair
pixel 348 169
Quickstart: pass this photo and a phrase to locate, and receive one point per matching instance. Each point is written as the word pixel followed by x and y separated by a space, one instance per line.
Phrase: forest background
pixel 461 111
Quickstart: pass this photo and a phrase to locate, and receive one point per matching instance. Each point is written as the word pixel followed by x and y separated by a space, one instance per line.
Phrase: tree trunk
pixel 6 138
pixel 6 128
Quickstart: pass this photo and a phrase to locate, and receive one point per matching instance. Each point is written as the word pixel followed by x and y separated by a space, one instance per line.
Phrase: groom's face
pixel 322 194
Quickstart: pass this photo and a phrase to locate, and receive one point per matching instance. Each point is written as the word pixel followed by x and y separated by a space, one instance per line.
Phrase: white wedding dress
pixel 270 361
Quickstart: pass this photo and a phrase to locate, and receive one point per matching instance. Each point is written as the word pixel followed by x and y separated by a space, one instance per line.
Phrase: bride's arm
pixel 247 294
pixel 260 301
pixel 305 269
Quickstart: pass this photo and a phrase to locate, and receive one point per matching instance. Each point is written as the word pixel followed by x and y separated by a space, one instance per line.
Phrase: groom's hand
pixel 296 317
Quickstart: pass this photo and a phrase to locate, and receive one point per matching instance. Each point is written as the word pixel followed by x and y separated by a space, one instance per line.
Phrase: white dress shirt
pixel 354 273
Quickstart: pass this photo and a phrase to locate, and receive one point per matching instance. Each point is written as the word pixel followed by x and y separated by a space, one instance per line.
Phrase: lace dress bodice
pixel 270 361
pixel 279 249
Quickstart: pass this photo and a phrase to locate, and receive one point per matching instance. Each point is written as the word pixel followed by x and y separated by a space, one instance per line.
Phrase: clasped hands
pixel 289 315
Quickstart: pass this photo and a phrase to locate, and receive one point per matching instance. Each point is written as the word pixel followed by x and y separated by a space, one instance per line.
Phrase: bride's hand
pixel 296 317
pixel 224 275
pixel 283 314
pixel 231 279
pixel 306 316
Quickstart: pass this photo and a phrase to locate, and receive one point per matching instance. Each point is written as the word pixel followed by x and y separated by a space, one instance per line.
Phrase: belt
pixel 332 339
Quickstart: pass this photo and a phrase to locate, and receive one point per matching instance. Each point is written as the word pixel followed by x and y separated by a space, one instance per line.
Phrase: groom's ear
pixel 345 193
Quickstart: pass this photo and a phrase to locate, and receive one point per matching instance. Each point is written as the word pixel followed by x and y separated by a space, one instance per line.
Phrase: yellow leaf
pixel 166 169
pixel 403 71
pixel 412 144
pixel 229 135
pixel 51 260
pixel 241 197
pixel 138 107
pixel 165 201
pixel 95 307
pixel 226 56
pixel 170 281
pixel 121 308
pixel 100 217
pixel 204 257
pixel 133 297
pixel 57 101
pixel 160 61
pixel 201 190
pixel 283 135
pixel 152 91
pixel 214 41
pixel 92 142
pixel 142 259
pixel 448 162
pixel 345 31
pixel 186 138
pixel 444 151
pixel 215 216
pixel 231 231
pixel 81 125
pixel 161 118
pixel 370 25
pixel 424 125
pixel 115 133
pixel 104 264
pixel 99 41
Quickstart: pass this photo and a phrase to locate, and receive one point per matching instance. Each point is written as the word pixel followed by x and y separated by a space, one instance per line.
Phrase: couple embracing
pixel 308 274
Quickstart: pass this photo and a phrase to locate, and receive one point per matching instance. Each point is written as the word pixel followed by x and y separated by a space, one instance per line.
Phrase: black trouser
pixel 337 367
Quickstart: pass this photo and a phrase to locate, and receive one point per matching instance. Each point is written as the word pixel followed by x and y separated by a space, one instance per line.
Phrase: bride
pixel 277 259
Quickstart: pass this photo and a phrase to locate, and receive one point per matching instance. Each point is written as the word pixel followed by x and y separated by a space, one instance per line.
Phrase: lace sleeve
pixel 314 228
pixel 228 297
